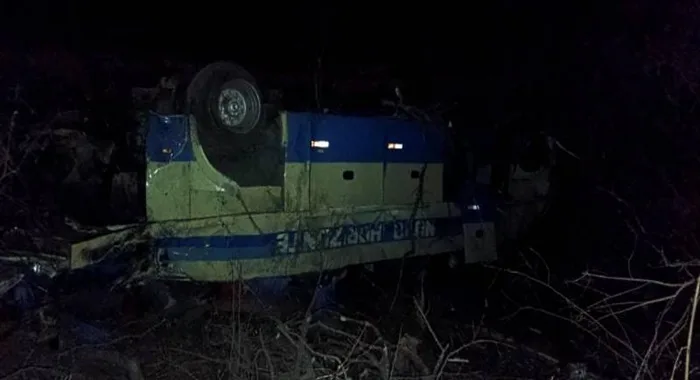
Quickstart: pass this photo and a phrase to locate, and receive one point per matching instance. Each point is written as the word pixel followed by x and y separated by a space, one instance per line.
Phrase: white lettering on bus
pixel 343 236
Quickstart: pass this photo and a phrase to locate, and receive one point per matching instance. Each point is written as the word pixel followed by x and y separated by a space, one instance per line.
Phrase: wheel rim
pixel 232 107
pixel 236 106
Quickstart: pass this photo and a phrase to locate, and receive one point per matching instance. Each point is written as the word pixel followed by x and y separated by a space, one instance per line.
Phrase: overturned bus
pixel 233 192
pixel 237 189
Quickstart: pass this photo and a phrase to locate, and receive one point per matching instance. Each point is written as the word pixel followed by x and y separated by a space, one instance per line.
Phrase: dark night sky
pixel 349 33
pixel 492 52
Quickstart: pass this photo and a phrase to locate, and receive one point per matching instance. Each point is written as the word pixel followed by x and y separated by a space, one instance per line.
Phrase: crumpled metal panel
pixel 209 229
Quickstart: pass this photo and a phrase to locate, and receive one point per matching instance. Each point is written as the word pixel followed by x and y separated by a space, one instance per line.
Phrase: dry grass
pixel 206 343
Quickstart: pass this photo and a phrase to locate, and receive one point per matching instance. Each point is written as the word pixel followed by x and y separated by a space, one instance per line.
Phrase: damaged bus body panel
pixel 318 192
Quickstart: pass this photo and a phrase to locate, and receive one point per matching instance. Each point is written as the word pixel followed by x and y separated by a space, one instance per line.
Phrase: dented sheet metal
pixel 92 250
pixel 74 247
pixel 282 244
pixel 339 203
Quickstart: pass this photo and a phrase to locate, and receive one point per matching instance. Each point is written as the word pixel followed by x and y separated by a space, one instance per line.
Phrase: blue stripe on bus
pixel 361 139
pixel 168 138
pixel 224 248
pixel 421 143
pixel 351 139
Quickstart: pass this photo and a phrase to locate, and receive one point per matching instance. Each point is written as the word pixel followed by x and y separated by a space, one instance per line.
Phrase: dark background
pixel 613 81
pixel 493 53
